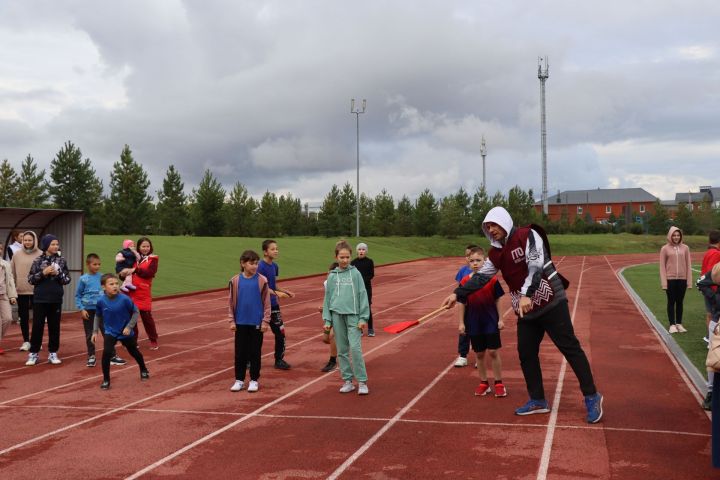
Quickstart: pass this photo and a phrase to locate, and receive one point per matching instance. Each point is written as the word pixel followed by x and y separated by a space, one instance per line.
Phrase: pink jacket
pixel 675 261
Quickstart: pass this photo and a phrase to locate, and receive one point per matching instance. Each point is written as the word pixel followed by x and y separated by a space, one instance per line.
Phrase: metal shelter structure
pixel 67 225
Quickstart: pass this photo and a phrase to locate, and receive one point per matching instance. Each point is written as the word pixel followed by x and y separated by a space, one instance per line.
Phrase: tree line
pixel 211 210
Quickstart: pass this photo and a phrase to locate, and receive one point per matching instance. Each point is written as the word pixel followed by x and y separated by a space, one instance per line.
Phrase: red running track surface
pixel 421 419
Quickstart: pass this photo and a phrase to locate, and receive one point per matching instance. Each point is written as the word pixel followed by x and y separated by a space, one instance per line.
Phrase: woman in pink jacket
pixel 143 275
pixel 675 277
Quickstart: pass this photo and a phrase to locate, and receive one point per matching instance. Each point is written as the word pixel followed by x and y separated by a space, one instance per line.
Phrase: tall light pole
pixel 483 153
pixel 543 74
pixel 357 112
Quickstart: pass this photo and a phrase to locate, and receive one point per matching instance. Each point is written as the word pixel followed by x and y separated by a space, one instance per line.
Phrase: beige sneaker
pixel 681 329
pixel 673 329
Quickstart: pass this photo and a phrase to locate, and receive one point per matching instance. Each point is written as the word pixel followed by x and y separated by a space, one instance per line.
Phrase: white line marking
pixel 339 471
pixel 550 434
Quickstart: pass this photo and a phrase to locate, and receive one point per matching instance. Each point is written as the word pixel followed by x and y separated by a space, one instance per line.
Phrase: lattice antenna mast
pixel 543 74
pixel 483 153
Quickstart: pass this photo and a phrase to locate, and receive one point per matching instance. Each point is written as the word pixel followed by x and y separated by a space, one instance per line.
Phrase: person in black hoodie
pixel 366 267
pixel 48 273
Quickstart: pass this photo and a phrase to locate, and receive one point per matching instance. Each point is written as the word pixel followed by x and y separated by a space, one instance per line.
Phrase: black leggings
pixel 50 312
pixel 109 351
pixel 24 305
pixel 675 292
pixel 248 348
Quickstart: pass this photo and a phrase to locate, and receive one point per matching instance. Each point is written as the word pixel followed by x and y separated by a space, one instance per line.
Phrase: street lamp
pixel 483 153
pixel 357 113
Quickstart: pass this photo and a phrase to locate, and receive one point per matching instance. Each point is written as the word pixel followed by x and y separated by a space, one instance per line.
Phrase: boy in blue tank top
pixel 118 315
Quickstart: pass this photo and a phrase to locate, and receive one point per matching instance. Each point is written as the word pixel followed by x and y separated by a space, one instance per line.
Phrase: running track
pixel 421 419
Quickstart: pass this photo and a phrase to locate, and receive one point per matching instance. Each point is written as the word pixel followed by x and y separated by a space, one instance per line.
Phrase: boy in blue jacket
pixel 118 315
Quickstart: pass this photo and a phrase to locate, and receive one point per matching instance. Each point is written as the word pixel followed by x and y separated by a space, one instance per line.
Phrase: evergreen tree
pixel 404 218
pixel 267 223
pixel 451 217
pixel 172 209
pixel 328 224
pixel 463 201
pixel 241 212
pixel 367 213
pixel 8 185
pixel 75 186
pixel 498 200
pixel 291 216
pixel 426 214
pixel 346 211
pixel 521 206
pixel 479 208
pixel 384 214
pixel 659 220
pixel 207 207
pixel 31 186
pixel 128 208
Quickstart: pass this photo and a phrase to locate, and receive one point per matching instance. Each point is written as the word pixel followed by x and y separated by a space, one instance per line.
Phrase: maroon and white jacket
pixel 525 266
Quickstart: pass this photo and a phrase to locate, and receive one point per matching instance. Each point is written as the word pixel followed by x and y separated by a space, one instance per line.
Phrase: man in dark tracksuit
pixel 538 298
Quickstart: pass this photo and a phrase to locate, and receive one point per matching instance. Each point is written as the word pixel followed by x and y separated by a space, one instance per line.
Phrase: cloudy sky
pixel 259 91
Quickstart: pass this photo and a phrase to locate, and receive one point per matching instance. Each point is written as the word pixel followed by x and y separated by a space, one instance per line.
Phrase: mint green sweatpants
pixel 347 339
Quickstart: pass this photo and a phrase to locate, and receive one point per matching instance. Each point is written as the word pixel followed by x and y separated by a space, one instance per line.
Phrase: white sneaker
pixel 32 359
pixel 237 386
pixel 681 329
pixel 673 329
pixel 347 387
pixel 253 386
pixel 53 358
pixel 363 388
pixel 25 347
pixel 461 362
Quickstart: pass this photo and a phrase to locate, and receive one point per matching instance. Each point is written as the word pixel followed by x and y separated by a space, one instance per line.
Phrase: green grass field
pixel 190 264
pixel 645 280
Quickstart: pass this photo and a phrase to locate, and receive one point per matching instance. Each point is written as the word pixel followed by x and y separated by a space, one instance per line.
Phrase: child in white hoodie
pixel 346 310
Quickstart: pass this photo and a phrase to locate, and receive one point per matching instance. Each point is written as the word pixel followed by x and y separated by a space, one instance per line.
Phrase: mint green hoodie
pixel 345 294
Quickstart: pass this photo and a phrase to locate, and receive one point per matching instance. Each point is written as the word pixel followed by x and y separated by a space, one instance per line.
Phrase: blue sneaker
pixel 593 403
pixel 533 406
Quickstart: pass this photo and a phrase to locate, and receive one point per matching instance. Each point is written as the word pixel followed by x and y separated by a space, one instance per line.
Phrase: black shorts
pixel 485 341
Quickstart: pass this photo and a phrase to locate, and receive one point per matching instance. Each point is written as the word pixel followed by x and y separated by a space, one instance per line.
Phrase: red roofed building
pixel 599 204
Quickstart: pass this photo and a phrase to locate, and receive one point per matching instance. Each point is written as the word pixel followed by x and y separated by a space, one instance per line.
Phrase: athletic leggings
pixel 109 350
pixel 24 305
pixel 278 329
pixel 675 292
pixel 50 312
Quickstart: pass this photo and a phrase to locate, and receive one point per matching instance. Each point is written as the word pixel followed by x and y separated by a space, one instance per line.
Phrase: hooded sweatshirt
pixel 675 261
pixel 526 267
pixel 21 263
pixel 345 294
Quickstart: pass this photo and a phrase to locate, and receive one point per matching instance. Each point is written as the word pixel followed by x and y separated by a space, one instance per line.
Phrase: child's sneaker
pixel 681 329
pixel 347 387
pixel 500 390
pixel 53 358
pixel 533 406
pixel 482 389
pixel 363 388
pixel 91 361
pixel 123 289
pixel 371 332
pixel 253 386
pixel 237 386
pixel 144 375
pixel 460 362
pixel 154 346
pixel 673 329
pixel 32 359
pixel 707 403
pixel 25 347
pixel 593 403
pixel 331 365
pixel 105 385
pixel 117 361
pixel 130 286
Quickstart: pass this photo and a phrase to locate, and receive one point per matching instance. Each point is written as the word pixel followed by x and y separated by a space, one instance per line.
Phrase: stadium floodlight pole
pixel 483 153
pixel 543 74
pixel 357 112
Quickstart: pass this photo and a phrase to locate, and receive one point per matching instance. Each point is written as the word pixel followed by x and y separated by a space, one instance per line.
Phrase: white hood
pixel 500 216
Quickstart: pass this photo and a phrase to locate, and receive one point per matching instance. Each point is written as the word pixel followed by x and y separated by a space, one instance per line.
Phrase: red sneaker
pixel 500 390
pixel 482 389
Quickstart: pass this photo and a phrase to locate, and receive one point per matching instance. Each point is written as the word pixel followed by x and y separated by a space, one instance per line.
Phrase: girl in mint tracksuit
pixel 346 310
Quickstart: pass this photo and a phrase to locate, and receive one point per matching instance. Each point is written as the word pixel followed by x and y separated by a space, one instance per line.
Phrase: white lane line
pixel 264 407
pixel 371 441
pixel 550 434
pixel 213 413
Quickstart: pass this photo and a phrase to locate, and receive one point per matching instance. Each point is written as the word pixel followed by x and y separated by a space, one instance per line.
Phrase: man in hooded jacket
pixel 538 297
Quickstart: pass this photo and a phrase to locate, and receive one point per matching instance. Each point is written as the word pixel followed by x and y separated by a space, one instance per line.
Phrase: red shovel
pixel 400 326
